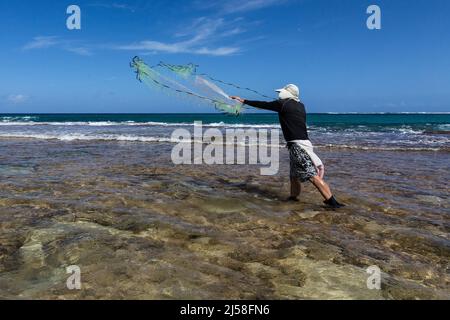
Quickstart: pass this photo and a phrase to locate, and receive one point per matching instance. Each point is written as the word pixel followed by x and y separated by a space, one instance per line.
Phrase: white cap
pixel 291 90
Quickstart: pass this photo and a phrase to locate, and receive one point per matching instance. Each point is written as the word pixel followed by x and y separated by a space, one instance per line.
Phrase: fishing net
pixel 184 81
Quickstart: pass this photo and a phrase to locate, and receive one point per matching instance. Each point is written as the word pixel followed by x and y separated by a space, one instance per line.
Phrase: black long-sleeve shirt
pixel 292 115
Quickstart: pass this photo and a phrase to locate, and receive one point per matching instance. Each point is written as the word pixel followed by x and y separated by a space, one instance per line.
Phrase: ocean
pixel 421 132
pixel 101 192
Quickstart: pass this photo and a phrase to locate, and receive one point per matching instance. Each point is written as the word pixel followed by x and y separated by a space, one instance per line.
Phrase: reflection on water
pixel 140 227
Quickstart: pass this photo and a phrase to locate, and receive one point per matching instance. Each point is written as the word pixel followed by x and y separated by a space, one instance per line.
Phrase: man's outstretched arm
pixel 272 106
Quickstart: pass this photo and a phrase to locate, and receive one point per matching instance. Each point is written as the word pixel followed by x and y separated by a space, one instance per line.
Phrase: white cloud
pixel 41 43
pixel 114 5
pixel 233 32
pixel 178 47
pixel 45 42
pixel 222 51
pixel 250 5
pixel 200 35
pixel 17 98
pixel 238 6
pixel 82 51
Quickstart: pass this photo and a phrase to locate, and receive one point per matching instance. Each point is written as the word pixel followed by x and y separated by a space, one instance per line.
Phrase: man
pixel 305 164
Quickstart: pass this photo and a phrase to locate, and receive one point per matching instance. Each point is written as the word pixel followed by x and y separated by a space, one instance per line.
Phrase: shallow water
pixel 395 132
pixel 140 227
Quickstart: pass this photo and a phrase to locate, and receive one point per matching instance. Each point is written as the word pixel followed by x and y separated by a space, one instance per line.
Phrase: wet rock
pixel 431 200
pixel 220 205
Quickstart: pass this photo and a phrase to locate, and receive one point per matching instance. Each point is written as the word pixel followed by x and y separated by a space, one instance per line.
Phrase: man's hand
pixel 321 171
pixel 237 98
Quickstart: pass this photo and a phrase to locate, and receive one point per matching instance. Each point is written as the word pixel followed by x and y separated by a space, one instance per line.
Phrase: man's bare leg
pixel 322 186
pixel 324 189
pixel 296 189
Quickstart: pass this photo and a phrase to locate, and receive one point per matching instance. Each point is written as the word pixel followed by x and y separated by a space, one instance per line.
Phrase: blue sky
pixel 323 46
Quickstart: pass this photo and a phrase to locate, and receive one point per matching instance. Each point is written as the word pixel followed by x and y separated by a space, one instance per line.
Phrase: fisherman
pixel 305 164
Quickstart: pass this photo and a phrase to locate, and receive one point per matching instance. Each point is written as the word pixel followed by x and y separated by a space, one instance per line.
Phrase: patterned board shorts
pixel 302 166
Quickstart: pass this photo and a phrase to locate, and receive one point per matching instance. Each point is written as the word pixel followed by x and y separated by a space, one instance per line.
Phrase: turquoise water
pixel 380 121
pixel 425 132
